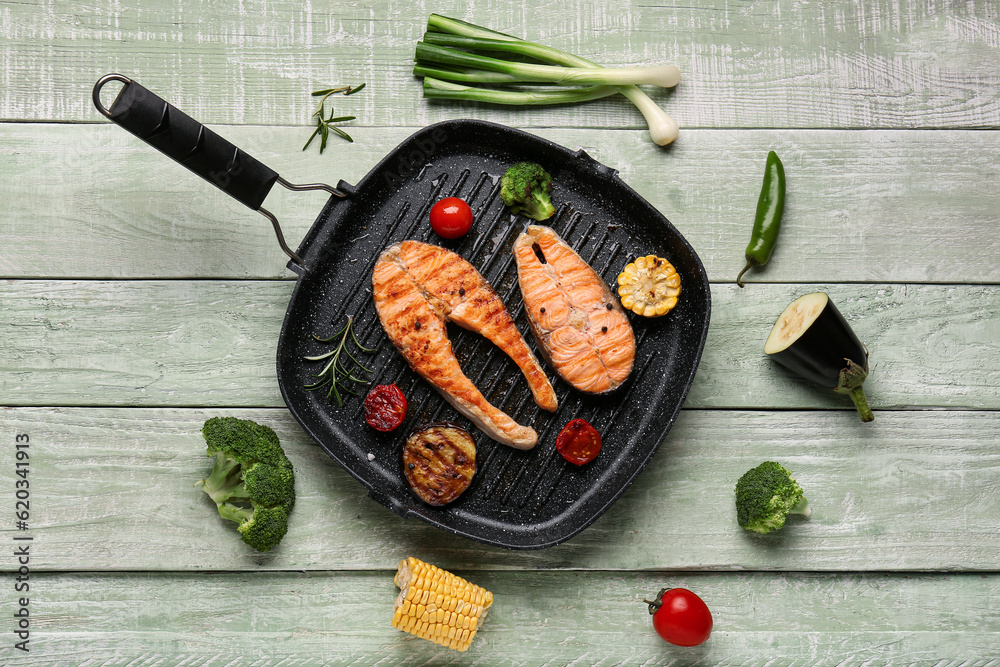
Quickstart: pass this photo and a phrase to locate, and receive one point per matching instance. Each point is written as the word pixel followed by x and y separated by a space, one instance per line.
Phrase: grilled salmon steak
pixel 578 323
pixel 418 288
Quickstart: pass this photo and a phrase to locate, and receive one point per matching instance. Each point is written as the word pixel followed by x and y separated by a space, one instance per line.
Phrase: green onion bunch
pixel 452 55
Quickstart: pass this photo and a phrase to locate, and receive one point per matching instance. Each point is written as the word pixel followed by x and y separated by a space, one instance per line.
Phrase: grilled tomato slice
pixel 385 407
pixel 439 460
pixel 578 442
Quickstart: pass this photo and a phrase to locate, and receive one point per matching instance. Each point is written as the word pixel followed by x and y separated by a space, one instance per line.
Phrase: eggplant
pixel 811 338
pixel 439 460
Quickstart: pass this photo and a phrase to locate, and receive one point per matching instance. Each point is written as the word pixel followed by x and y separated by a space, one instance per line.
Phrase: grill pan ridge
pixel 518 499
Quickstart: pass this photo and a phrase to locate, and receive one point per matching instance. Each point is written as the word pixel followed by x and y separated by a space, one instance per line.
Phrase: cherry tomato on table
pixel 451 218
pixel 385 407
pixel 578 442
pixel 681 617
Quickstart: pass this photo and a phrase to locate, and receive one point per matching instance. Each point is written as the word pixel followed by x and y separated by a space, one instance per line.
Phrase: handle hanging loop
pixel 100 84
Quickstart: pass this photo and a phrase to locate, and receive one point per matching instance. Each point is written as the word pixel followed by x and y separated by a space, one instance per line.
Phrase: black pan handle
pixel 177 135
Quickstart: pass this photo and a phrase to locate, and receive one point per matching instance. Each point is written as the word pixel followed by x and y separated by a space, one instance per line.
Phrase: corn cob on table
pixel 438 606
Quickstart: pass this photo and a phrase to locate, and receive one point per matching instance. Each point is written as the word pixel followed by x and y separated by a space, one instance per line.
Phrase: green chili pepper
pixel 767 222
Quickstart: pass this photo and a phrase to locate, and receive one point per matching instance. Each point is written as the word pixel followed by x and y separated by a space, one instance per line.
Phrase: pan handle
pixel 177 135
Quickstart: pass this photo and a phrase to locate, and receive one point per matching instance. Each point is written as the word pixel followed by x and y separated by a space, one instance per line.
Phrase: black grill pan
pixel 518 499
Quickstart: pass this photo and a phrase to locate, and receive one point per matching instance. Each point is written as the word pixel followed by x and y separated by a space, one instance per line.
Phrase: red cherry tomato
pixel 385 407
pixel 451 218
pixel 578 442
pixel 681 617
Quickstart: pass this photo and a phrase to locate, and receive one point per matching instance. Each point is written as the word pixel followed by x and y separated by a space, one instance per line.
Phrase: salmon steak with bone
pixel 578 323
pixel 418 288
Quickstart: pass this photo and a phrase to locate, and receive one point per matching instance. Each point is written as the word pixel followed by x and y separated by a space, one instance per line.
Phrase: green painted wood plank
pixel 760 64
pixel 112 489
pixel 217 339
pixel 93 201
pixel 207 343
pixel 537 619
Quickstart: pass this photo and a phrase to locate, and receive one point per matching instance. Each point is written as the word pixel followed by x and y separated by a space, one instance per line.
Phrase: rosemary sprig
pixel 337 370
pixel 324 122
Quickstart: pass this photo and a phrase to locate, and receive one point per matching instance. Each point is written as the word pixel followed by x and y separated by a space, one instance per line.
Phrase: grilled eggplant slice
pixel 811 338
pixel 439 460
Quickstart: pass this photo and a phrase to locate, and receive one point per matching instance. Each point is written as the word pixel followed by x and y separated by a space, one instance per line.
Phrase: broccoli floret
pixel 525 188
pixel 252 481
pixel 766 495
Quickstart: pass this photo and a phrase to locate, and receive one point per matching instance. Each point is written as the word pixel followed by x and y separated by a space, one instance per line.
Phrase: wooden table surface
pixel 137 301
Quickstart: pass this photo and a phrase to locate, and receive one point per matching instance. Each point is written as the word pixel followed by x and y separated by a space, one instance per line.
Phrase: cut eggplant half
pixel 811 338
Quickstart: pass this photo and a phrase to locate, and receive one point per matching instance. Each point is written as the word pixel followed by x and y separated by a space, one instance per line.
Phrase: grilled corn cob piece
pixel 437 605
pixel 649 286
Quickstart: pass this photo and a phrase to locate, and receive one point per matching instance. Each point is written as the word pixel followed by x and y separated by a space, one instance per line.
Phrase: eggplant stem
pixel 861 403
pixel 852 378
pixel 745 269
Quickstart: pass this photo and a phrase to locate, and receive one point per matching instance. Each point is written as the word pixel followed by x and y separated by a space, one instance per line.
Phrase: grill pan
pixel 518 499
